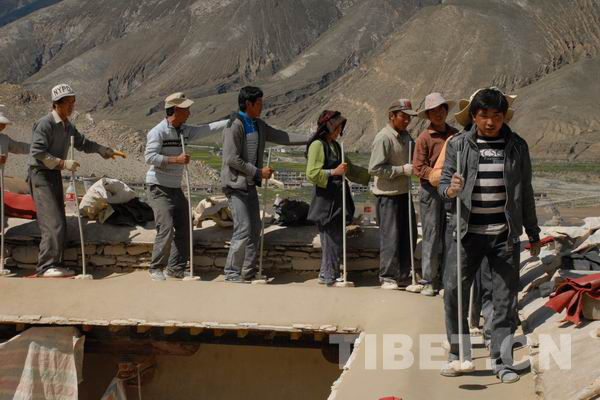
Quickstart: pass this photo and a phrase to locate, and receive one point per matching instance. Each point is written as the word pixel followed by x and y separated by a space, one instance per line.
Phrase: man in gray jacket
pixel 164 154
pixel 48 156
pixel 391 165
pixel 242 170
pixel 497 203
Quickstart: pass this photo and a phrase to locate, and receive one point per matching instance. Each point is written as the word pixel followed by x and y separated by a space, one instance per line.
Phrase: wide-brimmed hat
pixel 403 105
pixel 178 100
pixel 433 100
pixel 60 91
pixel 463 117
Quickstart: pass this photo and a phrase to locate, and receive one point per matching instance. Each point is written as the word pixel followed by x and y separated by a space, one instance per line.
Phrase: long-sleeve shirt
pixel 51 140
pixel 8 145
pixel 319 176
pixel 427 150
pixel 388 155
pixel 164 141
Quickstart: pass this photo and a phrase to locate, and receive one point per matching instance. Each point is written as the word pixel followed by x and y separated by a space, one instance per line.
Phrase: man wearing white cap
pixel 392 167
pixel 48 156
pixel 164 154
pixel 433 215
pixel 8 145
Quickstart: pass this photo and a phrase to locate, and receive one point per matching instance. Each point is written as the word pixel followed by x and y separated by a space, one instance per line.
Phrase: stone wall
pixel 124 248
pixel 129 256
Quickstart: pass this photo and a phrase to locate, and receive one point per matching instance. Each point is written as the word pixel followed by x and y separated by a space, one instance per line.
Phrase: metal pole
pixel 260 275
pixel 410 221
pixel 84 274
pixel 186 171
pixel 345 282
pixel 3 271
pixel 459 267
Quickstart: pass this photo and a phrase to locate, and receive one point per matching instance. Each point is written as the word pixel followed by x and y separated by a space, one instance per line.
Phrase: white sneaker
pixel 455 368
pixel 389 285
pixel 58 272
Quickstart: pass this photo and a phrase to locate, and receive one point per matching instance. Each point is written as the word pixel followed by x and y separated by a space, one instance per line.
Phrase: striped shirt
pixel 489 193
pixel 251 142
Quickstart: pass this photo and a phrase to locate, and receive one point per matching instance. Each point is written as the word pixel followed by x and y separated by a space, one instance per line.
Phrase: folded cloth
pixel 569 295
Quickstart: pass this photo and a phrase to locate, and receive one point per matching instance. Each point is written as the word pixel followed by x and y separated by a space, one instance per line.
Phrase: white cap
pixel 61 90
pixel 4 120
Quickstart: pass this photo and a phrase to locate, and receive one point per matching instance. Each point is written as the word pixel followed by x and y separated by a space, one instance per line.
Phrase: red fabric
pixel 569 295
pixel 543 242
pixel 19 206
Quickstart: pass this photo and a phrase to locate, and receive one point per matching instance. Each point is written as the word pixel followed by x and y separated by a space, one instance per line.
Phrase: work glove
pixel 407 169
pixel 107 152
pixel 71 165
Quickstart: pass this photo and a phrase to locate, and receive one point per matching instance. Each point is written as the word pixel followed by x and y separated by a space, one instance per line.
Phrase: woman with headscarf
pixel 325 170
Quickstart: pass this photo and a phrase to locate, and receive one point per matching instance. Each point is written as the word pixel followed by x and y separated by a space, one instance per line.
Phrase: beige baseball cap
pixel 178 100
pixel 403 105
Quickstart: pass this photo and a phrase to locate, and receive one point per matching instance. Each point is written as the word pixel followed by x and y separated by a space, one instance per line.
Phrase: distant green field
pixel 561 167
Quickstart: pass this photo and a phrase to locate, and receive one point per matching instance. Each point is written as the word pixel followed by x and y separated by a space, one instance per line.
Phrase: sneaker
pixel 322 281
pixel 387 285
pixel 58 272
pixel 157 275
pixel 507 375
pixel 454 368
pixel 177 274
pixel 428 290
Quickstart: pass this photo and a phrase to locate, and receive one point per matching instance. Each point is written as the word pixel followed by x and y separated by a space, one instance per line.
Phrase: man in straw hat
pixel 391 165
pixel 165 156
pixel 48 156
pixel 8 145
pixel 433 215
pixel 242 170
pixel 496 196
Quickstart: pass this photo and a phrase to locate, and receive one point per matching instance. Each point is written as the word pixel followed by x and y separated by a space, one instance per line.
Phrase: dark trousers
pixel 394 239
pixel 503 259
pixel 243 250
pixel 433 220
pixel 482 299
pixel 47 191
pixel 331 250
pixel 171 215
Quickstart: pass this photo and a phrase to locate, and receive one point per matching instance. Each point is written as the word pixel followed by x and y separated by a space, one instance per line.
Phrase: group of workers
pixel 493 187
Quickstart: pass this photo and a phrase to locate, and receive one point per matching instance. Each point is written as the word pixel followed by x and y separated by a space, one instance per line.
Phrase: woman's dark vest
pixel 326 205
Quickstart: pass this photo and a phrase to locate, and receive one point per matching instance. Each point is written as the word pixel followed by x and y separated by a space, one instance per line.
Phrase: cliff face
pixel 124 56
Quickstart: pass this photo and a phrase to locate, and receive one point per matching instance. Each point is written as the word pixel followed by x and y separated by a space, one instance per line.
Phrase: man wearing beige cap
pixel 171 212
pixel 433 215
pixel 50 144
pixel 391 165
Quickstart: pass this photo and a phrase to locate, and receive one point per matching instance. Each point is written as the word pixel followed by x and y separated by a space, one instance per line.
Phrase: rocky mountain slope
pixel 357 56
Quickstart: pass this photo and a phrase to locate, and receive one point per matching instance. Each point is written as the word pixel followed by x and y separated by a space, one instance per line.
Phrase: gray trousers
pixel 245 210
pixel 433 220
pixel 47 191
pixel 171 215
pixel 394 238
pixel 503 259
pixel 331 250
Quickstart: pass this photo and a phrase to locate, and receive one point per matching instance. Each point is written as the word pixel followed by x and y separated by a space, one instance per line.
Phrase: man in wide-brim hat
pixel 433 215
pixel 496 197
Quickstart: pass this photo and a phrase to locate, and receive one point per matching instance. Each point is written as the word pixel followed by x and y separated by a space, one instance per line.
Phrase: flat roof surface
pixel 291 300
